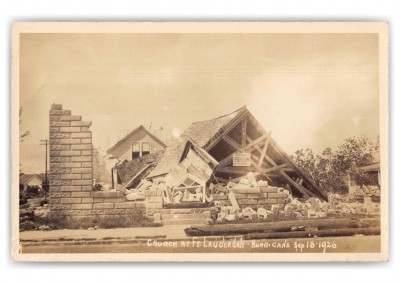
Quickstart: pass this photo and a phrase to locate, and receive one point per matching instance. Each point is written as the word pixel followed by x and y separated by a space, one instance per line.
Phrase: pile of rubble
pixel 30 213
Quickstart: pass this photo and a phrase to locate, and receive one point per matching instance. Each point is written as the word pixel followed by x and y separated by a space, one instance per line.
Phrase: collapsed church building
pixel 224 169
pixel 230 160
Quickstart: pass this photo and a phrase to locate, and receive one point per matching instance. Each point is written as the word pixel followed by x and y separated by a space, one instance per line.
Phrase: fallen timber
pixel 281 226
pixel 320 233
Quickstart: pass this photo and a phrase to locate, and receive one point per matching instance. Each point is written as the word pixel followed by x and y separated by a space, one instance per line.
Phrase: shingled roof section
pixel 200 133
pixel 128 169
pixel 204 131
pixel 171 158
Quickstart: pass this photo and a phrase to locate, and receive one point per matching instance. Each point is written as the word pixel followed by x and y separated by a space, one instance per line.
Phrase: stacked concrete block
pixel 71 172
pixel 264 196
pixel 70 162
pixel 153 202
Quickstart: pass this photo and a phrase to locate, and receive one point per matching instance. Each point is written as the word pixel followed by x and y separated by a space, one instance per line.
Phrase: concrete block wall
pixel 153 202
pixel 71 171
pixel 70 160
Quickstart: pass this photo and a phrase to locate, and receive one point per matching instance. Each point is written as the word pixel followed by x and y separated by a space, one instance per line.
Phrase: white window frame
pixel 140 143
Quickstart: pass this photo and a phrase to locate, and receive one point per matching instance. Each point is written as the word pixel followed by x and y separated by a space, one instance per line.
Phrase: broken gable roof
pixel 140 127
pixel 203 132
pixel 175 153
pixel 127 170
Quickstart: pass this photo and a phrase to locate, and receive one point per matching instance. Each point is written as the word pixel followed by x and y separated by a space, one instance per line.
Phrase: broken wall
pixel 71 171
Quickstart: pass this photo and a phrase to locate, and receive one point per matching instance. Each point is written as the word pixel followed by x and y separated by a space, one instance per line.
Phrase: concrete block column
pixel 71 162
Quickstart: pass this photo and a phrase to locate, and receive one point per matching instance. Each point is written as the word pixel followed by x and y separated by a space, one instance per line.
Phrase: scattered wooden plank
pixel 320 233
pixel 264 151
pixel 244 135
pixel 233 200
pixel 220 197
pixel 247 228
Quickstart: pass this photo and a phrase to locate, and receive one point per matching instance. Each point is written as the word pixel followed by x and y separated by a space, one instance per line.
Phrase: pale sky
pixel 309 90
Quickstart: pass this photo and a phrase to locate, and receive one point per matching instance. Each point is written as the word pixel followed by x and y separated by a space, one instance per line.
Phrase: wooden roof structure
pixel 240 132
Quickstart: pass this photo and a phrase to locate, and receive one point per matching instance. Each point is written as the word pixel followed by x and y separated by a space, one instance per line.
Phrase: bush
pixel 55 221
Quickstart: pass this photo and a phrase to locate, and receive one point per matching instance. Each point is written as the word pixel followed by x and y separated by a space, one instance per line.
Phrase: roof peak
pixel 235 111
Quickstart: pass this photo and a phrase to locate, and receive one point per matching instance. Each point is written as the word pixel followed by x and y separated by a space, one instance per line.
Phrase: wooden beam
pixel 236 171
pixel 232 142
pixel 225 161
pixel 307 193
pixel 255 142
pixel 264 150
pixel 299 171
pixel 227 130
pixel 244 130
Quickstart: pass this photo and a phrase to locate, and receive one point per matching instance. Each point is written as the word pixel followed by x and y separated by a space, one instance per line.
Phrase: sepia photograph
pixel 217 142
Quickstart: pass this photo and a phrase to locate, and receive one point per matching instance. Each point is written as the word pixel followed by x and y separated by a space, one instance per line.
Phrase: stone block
pixel 87 176
pixel 54 153
pixel 125 205
pixel 55 188
pixel 54 201
pixel 98 200
pixel 81 170
pixel 82 159
pixel 54 118
pixel 87 187
pixel 70 117
pixel 81 123
pixel 268 201
pixel 70 129
pixel 71 165
pixel 87 200
pixel 85 129
pixel 54 130
pixel 277 195
pixel 60 136
pixel 87 164
pixel 140 205
pixel 81 135
pixel 82 146
pixel 59 124
pixel 107 194
pixel 269 189
pixel 103 205
pixel 60 159
pixel 61 207
pixel 71 188
pixel 82 194
pixel 70 153
pixel 87 141
pixel 60 147
pixel 81 206
pixel 60 112
pixel 56 106
pixel 86 152
pixel 57 170
pixel 71 176
pixel 115 200
pixel 74 213
pixel 59 182
pixel 59 194
pixel 70 141
pixel 71 200
pixel 54 141
pixel 81 182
